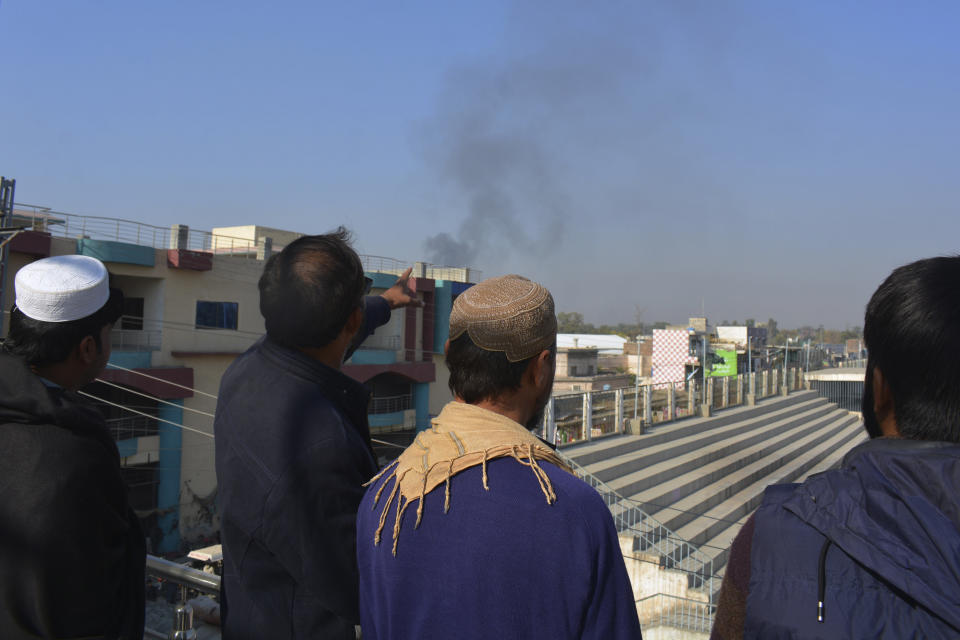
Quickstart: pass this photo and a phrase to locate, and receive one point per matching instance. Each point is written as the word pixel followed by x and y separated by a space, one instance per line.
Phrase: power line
pixel 147 415
pixel 146 395
pixel 388 444
pixel 146 375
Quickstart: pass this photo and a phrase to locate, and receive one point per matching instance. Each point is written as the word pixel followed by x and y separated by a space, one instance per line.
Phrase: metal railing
pixel 382 343
pixel 132 426
pixel 859 363
pixel 183 575
pixel 390 404
pixel 846 394
pixel 577 417
pixel 663 610
pixel 135 339
pixel 188 580
pixel 69 225
pixel 652 536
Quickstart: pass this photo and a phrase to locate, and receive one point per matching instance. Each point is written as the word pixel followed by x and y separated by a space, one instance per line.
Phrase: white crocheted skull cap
pixel 62 288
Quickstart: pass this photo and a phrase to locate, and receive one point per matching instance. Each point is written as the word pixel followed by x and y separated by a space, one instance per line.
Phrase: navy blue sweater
pixel 500 564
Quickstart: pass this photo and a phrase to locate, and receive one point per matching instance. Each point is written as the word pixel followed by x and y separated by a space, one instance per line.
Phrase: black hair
pixel 309 290
pixel 912 332
pixel 41 343
pixel 477 374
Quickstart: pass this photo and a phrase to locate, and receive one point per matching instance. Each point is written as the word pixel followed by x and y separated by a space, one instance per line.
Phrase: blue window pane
pixel 216 315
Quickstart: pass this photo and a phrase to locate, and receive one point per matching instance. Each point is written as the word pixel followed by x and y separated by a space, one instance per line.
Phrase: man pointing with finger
pixel 293 446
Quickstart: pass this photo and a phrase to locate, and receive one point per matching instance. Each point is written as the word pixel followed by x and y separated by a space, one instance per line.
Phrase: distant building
pixel 675 354
pixel 579 370
pixel 191 307
pixel 738 336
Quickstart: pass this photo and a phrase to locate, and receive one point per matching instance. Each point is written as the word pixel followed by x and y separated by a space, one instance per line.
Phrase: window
pixel 216 315
pixel 132 318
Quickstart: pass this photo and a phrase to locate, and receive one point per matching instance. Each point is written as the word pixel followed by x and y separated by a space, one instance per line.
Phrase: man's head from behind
pixel 503 335
pixel 912 333
pixel 62 316
pixel 309 290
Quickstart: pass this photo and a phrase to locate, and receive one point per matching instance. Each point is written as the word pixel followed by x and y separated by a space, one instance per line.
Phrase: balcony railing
pixel 390 404
pixel 69 225
pixel 132 426
pixel 135 339
pixel 383 343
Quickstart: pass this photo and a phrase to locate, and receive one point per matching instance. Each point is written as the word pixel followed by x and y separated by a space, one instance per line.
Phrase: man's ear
pixel 541 366
pixel 87 351
pixel 446 346
pixel 883 407
pixel 354 322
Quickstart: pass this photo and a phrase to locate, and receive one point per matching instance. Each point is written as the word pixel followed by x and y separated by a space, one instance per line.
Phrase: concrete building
pixel 675 354
pixel 738 336
pixel 578 370
pixel 191 307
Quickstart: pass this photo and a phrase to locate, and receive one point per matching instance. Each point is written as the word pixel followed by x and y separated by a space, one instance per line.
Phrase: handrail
pixel 180 574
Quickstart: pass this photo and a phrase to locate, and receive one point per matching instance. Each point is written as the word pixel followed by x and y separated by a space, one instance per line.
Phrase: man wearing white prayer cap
pixel 71 549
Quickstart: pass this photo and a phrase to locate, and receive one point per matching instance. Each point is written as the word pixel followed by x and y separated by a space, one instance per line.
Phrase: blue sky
pixel 759 158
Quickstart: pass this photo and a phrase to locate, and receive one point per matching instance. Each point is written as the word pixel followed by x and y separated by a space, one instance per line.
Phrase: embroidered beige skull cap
pixel 510 314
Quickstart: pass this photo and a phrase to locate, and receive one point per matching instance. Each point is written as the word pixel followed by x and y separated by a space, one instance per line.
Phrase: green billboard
pixel 723 363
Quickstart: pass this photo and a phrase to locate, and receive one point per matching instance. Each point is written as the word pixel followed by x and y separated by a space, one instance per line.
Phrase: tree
pixel 572 322
pixel 771 329
pixel 750 322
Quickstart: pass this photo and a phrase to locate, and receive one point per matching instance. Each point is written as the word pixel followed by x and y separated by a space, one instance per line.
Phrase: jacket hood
pixel 25 399
pixel 894 507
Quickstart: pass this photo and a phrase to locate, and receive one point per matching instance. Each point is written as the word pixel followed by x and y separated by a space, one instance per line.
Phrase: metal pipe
pixel 180 574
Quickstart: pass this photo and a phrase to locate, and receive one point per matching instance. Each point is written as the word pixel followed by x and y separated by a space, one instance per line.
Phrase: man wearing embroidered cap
pixel 479 529
pixel 71 549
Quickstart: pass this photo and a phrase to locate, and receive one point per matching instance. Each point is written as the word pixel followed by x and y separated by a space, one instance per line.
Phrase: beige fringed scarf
pixel 462 436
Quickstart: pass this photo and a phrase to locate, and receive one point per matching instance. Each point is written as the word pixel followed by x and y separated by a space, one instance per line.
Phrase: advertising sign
pixel 723 363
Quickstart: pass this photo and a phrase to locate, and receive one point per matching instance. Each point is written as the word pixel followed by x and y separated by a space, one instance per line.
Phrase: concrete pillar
pixel 168 475
pixel 740 389
pixel 709 393
pixel 442 306
pixel 550 423
pixel 179 236
pixel 691 397
pixel 264 252
pixel 672 401
pixel 421 402
pixel 618 395
pixel 647 404
pixel 764 379
pixel 587 416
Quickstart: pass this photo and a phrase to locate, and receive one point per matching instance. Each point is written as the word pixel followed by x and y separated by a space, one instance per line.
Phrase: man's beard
pixel 870 421
pixel 536 420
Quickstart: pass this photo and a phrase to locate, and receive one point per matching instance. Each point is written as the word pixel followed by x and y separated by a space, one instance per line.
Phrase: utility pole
pixel 636 388
pixel 7 187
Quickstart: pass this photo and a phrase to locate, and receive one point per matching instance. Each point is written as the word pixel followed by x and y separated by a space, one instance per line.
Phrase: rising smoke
pixel 502 138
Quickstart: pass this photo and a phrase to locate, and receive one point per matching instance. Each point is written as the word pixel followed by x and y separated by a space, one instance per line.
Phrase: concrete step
pixel 705 486
pixel 588 453
pixel 714 531
pixel 676 441
pixel 659 466
pixel 834 459
pixel 719 486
